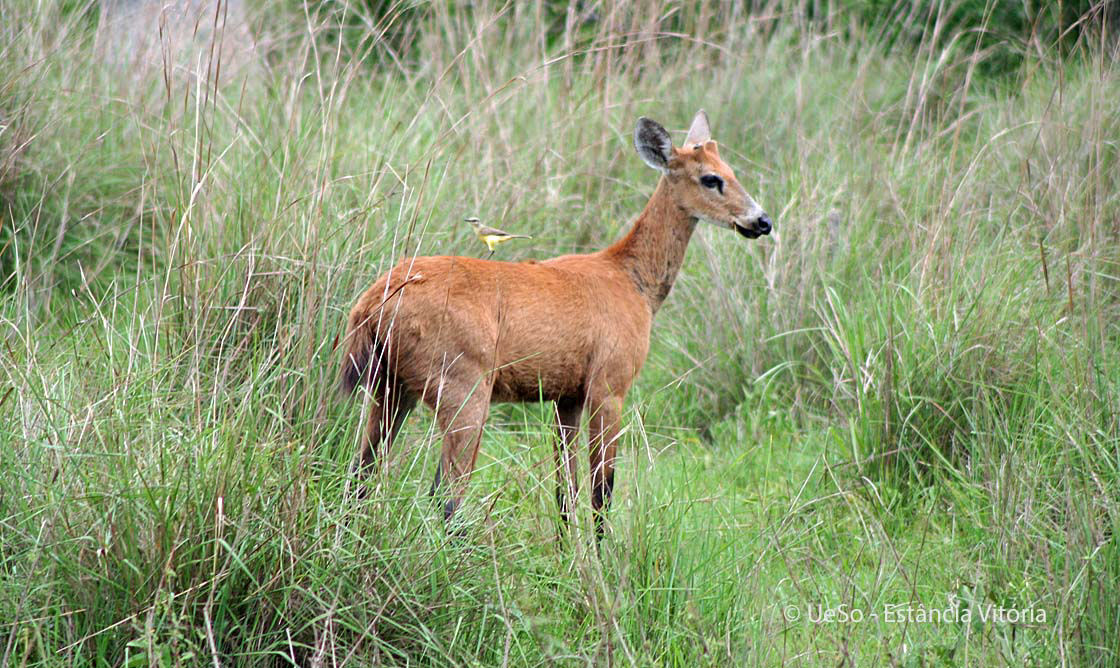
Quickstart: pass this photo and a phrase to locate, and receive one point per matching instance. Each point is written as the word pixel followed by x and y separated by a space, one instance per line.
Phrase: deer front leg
pixel 604 427
pixel 461 423
pixel 567 428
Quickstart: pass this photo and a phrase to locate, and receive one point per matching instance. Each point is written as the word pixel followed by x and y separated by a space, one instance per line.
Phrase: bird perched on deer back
pixel 492 236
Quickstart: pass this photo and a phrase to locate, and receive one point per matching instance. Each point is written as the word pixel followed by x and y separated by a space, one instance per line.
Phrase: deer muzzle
pixel 758 227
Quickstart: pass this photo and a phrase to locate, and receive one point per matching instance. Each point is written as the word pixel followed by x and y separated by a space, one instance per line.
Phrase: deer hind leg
pixel 604 427
pixel 461 421
pixel 568 413
pixel 390 404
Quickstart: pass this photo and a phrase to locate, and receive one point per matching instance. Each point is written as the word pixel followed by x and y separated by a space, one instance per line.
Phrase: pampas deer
pixel 460 333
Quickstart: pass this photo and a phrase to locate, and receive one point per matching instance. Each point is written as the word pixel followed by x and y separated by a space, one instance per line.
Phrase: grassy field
pixel 886 435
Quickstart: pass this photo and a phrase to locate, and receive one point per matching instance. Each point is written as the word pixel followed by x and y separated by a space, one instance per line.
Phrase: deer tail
pixel 362 353
pixel 364 350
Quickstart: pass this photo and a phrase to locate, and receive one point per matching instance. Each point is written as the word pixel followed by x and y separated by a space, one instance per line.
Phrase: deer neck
pixel 653 250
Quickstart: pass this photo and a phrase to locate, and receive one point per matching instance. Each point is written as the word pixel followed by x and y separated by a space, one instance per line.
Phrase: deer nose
pixel 763 225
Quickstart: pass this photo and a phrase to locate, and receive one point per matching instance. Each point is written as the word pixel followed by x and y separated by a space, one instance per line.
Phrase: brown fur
pixel 460 333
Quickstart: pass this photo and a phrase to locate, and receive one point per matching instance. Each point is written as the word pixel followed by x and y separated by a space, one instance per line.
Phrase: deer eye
pixel 712 181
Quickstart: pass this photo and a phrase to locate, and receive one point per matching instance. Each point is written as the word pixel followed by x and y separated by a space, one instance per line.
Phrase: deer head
pixel 699 181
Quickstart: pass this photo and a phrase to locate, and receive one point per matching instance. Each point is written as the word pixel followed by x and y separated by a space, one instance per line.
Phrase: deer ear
pixel 700 132
pixel 653 144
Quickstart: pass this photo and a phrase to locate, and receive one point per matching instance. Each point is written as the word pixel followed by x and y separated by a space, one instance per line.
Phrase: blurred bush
pixel 1001 32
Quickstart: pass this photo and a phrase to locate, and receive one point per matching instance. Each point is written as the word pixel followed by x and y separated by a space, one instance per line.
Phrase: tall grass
pixel 908 392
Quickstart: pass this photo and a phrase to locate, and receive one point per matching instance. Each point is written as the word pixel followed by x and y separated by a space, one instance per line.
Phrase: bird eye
pixel 712 181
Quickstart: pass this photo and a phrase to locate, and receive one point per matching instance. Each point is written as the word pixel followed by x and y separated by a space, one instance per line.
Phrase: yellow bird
pixel 492 236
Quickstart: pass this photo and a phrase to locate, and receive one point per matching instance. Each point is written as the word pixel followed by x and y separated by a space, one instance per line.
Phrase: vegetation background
pixel 907 395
